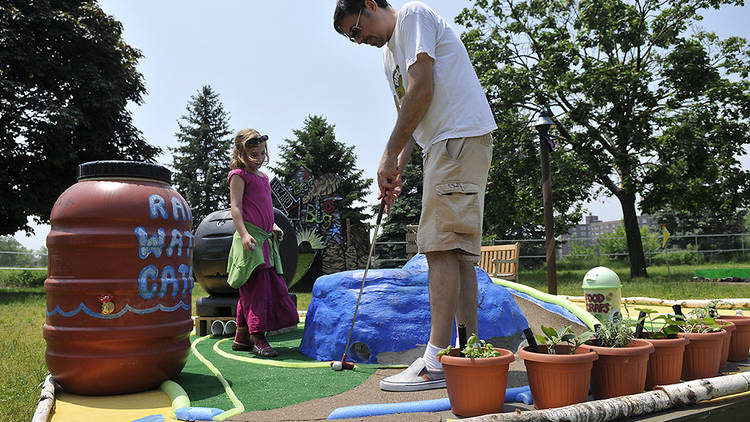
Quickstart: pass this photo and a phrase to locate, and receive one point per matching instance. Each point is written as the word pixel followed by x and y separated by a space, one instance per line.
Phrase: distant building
pixel 589 232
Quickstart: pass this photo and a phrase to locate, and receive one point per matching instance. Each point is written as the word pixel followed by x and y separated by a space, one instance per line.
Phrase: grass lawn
pixel 662 283
pixel 23 368
pixel 22 365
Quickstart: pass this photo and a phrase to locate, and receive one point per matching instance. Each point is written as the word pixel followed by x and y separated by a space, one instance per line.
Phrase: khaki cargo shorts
pixel 454 181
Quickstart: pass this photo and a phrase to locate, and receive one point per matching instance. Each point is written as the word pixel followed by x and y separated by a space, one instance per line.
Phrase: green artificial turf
pixel 261 387
pixel 723 272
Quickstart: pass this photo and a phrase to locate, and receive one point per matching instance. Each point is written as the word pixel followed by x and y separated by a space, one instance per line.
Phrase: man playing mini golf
pixel 441 107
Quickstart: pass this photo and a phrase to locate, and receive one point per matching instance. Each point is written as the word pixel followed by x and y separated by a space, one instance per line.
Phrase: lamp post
pixel 542 126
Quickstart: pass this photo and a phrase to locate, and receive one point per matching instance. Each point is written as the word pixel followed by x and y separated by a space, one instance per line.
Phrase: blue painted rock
pixel 393 322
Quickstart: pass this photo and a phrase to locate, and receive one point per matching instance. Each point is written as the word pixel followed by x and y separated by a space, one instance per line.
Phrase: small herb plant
pixel 615 332
pixel 551 337
pixel 475 348
pixel 710 308
pixel 699 321
pixel 670 324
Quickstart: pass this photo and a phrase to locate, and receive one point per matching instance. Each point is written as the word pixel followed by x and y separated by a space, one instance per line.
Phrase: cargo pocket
pixel 458 210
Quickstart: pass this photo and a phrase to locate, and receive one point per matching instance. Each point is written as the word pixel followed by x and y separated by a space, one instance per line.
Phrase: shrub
pixel 688 256
pixel 23 278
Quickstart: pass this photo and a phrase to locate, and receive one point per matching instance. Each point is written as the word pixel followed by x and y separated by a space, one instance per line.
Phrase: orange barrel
pixel 119 280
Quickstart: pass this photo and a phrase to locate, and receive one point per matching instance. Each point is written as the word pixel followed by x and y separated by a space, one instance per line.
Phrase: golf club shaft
pixel 364 277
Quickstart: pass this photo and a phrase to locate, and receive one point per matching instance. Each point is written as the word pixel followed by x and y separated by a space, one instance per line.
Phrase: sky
pixel 274 66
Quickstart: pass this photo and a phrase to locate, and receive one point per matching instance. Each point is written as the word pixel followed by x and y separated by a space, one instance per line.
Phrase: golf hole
pixel 360 351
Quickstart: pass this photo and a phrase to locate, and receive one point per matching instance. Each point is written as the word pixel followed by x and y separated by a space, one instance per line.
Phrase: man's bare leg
pixel 444 295
pixel 466 310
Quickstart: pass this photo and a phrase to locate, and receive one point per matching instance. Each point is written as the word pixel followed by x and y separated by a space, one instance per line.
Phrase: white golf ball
pixel 337 366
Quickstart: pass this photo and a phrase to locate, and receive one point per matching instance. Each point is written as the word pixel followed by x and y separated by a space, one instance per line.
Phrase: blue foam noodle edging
pixel 515 394
pixel 197 413
pixel 362 410
pixel 150 418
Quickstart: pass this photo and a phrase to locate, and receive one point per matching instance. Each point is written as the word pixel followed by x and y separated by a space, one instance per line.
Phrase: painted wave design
pixel 83 308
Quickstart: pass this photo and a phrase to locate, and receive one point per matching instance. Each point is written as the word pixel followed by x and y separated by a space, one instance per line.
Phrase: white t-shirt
pixel 459 106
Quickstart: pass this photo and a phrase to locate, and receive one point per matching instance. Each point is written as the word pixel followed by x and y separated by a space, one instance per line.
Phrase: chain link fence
pixel 679 249
pixel 15 260
pixel 693 249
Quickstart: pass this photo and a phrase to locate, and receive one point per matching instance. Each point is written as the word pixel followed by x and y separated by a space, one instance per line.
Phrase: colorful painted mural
pixel 311 203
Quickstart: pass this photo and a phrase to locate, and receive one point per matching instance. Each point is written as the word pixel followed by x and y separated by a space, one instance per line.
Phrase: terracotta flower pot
pixel 620 371
pixel 726 342
pixel 739 345
pixel 702 355
pixel 476 386
pixel 665 364
pixel 560 379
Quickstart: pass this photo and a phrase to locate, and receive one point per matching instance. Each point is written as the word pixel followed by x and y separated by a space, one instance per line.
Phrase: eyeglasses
pixel 255 141
pixel 355 30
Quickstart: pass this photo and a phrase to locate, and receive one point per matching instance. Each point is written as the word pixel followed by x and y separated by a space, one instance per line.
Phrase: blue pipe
pixel 516 394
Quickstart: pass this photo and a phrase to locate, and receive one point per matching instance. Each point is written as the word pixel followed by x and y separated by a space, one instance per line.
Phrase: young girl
pixel 254 262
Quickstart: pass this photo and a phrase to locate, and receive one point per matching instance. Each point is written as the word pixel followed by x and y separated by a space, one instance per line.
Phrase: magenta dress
pixel 264 303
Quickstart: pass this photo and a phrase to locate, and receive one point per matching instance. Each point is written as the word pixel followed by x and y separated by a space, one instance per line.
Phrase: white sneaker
pixel 414 378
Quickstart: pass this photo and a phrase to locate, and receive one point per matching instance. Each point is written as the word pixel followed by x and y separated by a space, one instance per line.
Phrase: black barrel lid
pixel 114 168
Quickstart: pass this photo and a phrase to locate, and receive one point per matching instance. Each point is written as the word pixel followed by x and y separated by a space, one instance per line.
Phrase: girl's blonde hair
pixel 239 158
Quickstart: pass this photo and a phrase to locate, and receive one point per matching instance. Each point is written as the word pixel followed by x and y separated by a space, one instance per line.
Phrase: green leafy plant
pixel 703 320
pixel 698 321
pixel 669 324
pixel 615 332
pixel 475 348
pixel 710 308
pixel 551 337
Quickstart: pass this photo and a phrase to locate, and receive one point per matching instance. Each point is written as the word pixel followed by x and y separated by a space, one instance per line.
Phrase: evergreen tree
pixel 66 77
pixel 317 149
pixel 201 162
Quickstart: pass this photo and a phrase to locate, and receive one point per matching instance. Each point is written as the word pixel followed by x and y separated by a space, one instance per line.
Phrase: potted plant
pixel 476 382
pixel 739 342
pixel 559 372
pixel 661 330
pixel 704 350
pixel 730 327
pixel 623 360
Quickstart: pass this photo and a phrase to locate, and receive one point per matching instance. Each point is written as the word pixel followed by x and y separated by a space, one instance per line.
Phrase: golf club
pixel 343 364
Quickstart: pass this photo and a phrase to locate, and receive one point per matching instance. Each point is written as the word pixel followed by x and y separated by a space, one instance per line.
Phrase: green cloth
pixel 242 263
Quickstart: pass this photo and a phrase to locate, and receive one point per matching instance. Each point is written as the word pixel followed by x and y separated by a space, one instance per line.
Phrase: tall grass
pixel 22 365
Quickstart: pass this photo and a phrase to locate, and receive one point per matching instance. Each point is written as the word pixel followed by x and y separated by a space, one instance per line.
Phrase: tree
pixel 66 76
pixel 317 149
pixel 513 206
pixel 615 244
pixel 705 222
pixel 201 162
pixel 13 253
pixel 626 82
